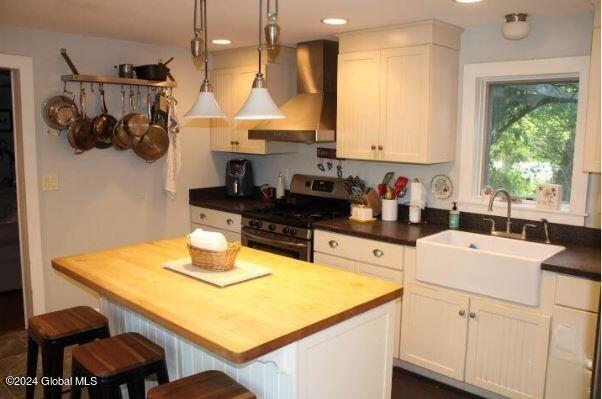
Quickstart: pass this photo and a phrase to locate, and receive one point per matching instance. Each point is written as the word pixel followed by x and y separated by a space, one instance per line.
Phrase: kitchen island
pixel 305 331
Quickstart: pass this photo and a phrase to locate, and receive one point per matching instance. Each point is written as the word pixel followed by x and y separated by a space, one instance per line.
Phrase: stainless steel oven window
pixel 277 244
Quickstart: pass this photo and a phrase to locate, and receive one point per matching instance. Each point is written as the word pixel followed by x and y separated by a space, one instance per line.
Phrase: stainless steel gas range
pixel 285 228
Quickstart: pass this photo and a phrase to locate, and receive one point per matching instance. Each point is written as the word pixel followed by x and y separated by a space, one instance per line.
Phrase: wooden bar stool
pixel 210 384
pixel 53 332
pixel 123 359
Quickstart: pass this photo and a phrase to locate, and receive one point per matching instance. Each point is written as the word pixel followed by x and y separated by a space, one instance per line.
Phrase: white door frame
pixel 30 233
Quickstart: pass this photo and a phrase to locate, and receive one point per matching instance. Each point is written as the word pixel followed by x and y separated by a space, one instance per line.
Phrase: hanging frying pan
pixel 135 123
pixel 121 138
pixel 81 136
pixel 60 111
pixel 155 143
pixel 104 124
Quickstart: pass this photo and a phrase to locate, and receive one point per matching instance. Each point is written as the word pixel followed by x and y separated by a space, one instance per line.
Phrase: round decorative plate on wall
pixel 442 187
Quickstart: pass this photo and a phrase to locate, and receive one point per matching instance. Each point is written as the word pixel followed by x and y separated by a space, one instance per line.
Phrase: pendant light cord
pixel 260 37
pixel 204 11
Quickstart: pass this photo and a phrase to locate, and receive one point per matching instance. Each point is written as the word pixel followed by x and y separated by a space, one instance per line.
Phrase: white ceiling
pixel 170 21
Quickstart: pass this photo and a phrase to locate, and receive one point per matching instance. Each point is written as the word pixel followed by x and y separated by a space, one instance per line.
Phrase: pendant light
pixel 206 106
pixel 259 104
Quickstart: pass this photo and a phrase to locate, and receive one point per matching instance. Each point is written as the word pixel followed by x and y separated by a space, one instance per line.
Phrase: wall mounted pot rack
pixel 76 77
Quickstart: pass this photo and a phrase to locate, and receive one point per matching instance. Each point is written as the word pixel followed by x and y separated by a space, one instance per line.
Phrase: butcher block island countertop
pixel 240 322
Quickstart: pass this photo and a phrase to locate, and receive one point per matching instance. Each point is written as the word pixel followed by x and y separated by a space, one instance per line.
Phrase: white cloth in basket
pixel 208 240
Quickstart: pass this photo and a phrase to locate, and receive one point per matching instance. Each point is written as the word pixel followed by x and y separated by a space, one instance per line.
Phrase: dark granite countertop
pixel 393 232
pixel 576 260
pixel 215 198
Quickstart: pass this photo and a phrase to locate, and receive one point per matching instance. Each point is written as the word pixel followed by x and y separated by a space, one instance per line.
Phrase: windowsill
pixel 524 211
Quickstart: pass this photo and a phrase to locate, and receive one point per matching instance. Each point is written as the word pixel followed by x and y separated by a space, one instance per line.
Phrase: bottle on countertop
pixel 280 186
pixel 454 217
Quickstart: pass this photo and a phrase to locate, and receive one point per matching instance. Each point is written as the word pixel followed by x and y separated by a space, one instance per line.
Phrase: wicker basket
pixel 214 260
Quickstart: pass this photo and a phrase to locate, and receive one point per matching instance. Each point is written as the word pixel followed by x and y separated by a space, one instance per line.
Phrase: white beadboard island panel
pixel 321 360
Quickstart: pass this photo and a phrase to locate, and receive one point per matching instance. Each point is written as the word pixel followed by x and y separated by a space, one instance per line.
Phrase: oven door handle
pixel 268 241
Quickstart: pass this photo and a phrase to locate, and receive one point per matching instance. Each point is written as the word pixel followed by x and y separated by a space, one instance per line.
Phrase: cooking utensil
pixel 121 138
pixel 81 134
pixel 155 142
pixel 382 189
pixel 135 123
pixel 125 70
pixel 158 72
pixel 103 124
pixel 387 178
pixel 60 111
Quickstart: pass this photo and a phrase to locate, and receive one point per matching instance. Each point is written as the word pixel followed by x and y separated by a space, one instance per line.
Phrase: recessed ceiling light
pixel 221 41
pixel 467 1
pixel 334 21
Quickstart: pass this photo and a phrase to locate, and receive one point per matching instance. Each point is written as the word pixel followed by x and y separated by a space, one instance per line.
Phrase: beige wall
pixel 549 38
pixel 106 198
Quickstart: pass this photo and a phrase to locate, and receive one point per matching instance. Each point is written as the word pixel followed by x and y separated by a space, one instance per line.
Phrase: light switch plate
pixel 50 182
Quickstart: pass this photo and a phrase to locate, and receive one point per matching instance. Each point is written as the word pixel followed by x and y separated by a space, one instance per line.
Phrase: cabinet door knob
pixel 380 148
pixel 373 147
pixel 229 221
pixel 472 315
pixel 462 312
pixel 202 216
pixel 378 253
pixel 231 142
pixel 333 244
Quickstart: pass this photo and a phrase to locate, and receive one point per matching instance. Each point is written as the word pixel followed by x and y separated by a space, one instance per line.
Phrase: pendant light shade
pixel 205 106
pixel 259 104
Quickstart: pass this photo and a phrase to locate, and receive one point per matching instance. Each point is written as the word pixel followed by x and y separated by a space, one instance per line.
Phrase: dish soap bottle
pixel 454 217
pixel 280 186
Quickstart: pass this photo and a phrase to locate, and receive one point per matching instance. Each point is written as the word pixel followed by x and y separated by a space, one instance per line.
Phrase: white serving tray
pixel 242 271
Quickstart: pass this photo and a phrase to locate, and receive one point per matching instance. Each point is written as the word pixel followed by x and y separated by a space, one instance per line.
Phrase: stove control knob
pixel 272 227
pixel 258 224
pixel 252 223
pixel 293 232
pixel 286 230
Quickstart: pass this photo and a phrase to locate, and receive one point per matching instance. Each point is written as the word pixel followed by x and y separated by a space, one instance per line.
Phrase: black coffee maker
pixel 239 178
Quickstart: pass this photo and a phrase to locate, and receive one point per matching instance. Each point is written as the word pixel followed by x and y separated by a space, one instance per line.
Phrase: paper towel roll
pixel 417 194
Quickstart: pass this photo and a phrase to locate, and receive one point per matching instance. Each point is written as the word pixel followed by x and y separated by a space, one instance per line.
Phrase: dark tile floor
pixel 13 348
pixel 11 311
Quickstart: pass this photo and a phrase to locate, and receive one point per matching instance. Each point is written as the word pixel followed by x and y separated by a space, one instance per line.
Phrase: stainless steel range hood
pixel 311 116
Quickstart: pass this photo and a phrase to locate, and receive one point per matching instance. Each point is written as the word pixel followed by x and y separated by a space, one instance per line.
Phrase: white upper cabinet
pixel 358 105
pixel 232 75
pixel 397 93
pixel 591 156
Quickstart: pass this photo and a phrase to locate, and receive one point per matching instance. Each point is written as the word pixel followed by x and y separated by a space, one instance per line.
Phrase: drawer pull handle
pixel 462 312
pixel 202 216
pixel 378 253
pixel 472 315
pixel 229 222
pixel 333 244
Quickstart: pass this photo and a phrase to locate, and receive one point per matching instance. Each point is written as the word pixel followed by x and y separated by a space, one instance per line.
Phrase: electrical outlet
pixel 50 182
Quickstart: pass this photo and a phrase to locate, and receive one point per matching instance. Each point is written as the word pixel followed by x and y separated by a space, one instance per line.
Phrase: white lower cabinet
pixel 433 330
pixel 499 348
pixel 572 349
pixel 369 270
pixel 507 350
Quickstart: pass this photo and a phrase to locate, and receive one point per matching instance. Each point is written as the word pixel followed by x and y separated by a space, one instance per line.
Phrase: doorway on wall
pixel 11 285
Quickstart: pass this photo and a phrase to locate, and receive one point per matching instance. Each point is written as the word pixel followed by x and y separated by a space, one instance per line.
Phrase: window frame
pixel 474 120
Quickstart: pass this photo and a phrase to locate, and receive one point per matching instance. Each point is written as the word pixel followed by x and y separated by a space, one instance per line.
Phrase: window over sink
pixel 523 125
pixel 530 135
